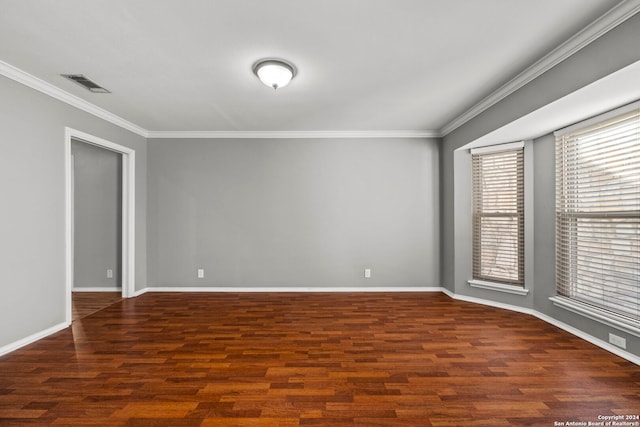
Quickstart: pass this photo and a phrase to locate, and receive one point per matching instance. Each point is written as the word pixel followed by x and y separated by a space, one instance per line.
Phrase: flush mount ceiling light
pixel 274 73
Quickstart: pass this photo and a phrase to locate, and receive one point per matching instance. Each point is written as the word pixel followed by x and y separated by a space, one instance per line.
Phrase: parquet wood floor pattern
pixel 86 303
pixel 304 359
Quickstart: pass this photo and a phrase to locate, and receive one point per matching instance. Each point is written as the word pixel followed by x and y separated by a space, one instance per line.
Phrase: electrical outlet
pixel 109 273
pixel 367 273
pixel 619 341
pixel 201 273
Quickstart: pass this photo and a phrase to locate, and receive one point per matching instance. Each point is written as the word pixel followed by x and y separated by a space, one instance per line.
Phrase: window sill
pixel 594 313
pixel 499 287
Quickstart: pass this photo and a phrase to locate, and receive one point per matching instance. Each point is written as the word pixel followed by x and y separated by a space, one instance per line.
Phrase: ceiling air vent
pixel 85 83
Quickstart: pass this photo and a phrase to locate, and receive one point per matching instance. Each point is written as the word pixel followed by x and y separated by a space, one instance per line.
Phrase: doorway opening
pixel 123 271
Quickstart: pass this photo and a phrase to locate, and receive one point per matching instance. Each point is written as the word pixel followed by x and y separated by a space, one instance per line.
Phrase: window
pixel 498 214
pixel 598 215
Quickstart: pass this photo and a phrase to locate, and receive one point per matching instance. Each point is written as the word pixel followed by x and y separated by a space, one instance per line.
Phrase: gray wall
pixel 272 212
pixel 32 218
pixel 611 52
pixel 293 212
pixel 97 216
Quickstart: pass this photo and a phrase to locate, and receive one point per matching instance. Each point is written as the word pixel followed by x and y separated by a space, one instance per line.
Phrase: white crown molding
pixel 293 134
pixel 614 17
pixel 33 82
pixel 40 85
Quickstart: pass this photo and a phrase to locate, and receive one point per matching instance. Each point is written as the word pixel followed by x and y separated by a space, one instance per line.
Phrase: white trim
pixel 96 289
pixel 496 304
pixel 68 225
pixel 72 223
pixel 499 287
pixel 128 223
pixel 614 17
pixel 32 338
pixel 294 134
pixel 128 213
pixel 599 118
pixel 278 289
pixel 139 292
pixel 47 88
pixel 594 313
pixel 527 147
pixel 94 140
pixel 448 293
pixel 40 85
pixel 497 148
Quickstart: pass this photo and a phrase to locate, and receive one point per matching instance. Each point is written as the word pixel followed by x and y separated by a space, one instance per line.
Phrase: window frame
pixel 525 217
pixel 581 305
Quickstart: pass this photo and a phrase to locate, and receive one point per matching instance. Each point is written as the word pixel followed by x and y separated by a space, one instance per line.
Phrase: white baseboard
pixel 281 289
pixel 139 292
pixel 97 289
pixel 490 303
pixel 32 338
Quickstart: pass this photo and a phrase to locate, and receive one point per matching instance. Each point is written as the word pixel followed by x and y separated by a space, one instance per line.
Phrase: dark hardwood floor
pixel 297 359
pixel 86 303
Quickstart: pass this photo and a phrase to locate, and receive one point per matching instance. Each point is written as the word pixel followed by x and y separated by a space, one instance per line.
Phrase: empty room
pixel 332 213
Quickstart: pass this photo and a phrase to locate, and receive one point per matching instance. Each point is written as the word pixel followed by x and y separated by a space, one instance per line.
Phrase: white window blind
pixel 498 216
pixel 598 215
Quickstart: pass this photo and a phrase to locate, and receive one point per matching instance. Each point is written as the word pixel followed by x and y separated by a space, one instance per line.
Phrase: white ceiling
pixel 363 65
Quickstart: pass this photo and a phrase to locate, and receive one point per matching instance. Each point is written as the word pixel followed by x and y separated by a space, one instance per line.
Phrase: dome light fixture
pixel 274 73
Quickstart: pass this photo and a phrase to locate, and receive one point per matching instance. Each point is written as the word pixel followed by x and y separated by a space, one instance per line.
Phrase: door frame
pixel 128 212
